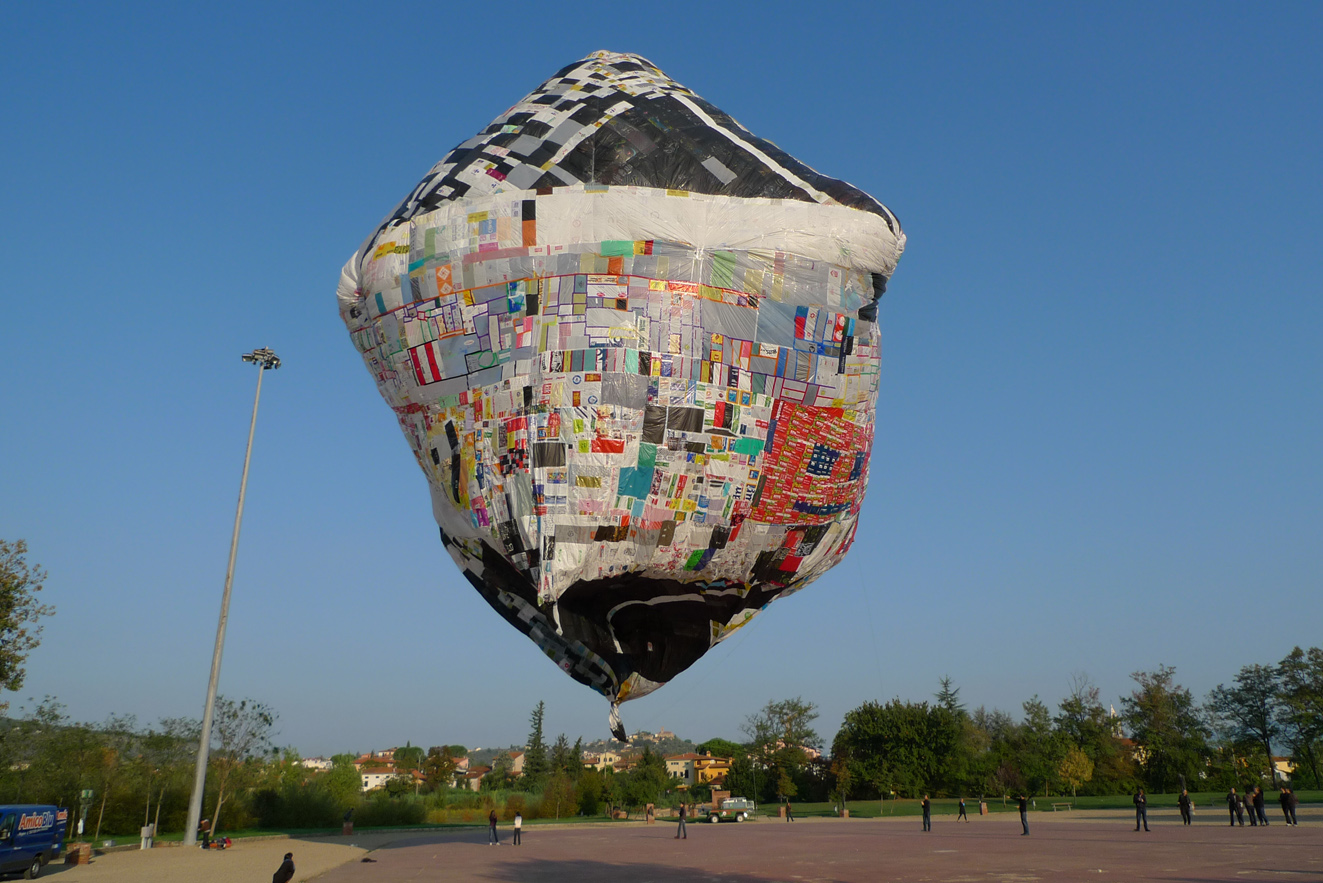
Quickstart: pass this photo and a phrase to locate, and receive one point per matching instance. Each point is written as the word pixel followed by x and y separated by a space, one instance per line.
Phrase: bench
pixel 1057 806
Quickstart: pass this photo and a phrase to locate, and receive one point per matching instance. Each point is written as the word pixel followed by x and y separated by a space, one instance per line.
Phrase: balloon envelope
pixel 633 348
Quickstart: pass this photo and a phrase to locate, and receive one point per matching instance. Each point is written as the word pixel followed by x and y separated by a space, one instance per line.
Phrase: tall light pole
pixel 263 358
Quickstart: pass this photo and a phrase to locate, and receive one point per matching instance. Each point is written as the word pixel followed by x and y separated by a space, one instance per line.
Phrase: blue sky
pixel 1099 424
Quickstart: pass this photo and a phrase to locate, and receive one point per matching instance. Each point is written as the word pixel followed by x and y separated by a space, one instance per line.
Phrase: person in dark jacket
pixel 1024 814
pixel 927 813
pixel 1141 809
pixel 1186 806
pixel 492 838
pixel 1258 806
pixel 1235 808
pixel 285 872
pixel 1289 802
pixel 961 814
pixel 680 832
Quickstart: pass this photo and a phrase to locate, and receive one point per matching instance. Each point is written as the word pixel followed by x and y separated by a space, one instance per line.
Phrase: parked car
pixel 30 836
pixel 732 809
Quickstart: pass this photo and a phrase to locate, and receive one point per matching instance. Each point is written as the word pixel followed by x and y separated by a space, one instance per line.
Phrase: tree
pixel 780 732
pixel 343 782
pixel 787 723
pixel 168 754
pixel 721 748
pixel 242 730
pixel 558 794
pixel 1248 711
pixel 1302 708
pixel 118 736
pixel 563 758
pixel 646 781
pixel 1039 748
pixel 20 613
pixel 1075 769
pixel 904 747
pixel 948 697
pixel 408 758
pixel 439 767
pixel 591 790
pixel 1164 721
pixel 536 765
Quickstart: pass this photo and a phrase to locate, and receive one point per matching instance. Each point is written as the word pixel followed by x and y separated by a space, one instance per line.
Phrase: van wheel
pixel 34 871
pixel 714 819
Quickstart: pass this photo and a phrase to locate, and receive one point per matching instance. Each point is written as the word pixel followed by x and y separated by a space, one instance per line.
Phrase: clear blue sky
pixel 1100 421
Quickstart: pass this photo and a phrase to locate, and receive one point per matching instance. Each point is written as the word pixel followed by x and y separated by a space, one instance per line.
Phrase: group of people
pixel 494 839
pixel 1252 804
pixel 1021 800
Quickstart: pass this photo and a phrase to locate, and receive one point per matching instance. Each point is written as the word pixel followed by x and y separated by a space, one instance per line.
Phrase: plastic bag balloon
pixel 633 348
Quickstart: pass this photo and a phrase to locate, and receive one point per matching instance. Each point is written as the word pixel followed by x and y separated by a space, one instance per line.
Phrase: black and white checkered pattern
pixel 616 119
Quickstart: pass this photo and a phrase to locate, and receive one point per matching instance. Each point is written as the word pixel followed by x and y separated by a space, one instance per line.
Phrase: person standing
pixel 927 813
pixel 1141 810
pixel 1291 803
pixel 492 838
pixel 1232 800
pixel 961 814
pixel 204 831
pixel 285 872
pixel 790 812
pixel 680 832
pixel 1024 815
pixel 1184 803
pixel 1259 807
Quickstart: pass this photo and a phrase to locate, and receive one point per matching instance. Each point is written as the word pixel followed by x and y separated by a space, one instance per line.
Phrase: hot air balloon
pixel 634 349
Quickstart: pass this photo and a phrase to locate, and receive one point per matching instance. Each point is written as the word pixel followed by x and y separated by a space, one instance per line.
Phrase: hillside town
pixel 684 768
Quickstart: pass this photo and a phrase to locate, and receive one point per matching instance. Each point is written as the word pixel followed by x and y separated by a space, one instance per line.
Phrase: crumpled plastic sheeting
pixel 630 345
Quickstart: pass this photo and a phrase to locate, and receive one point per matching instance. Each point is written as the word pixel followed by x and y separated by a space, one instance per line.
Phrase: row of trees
pixel 141 775
pixel 1162 739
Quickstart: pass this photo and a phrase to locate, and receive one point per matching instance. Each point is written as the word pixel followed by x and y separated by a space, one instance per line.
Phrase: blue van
pixel 30 836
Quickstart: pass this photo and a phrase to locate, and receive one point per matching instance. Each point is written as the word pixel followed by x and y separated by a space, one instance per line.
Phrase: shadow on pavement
pixel 588 871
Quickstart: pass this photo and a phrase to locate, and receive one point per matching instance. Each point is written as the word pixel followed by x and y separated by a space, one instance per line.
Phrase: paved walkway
pixel 245 862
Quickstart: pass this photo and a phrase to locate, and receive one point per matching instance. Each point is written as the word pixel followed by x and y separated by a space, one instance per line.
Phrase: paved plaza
pixel 860 851
pixel 1099 846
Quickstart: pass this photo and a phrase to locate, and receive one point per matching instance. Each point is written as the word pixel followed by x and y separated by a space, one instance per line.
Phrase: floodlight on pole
pixel 264 358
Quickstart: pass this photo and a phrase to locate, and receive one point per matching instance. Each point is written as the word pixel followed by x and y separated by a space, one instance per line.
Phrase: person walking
pixel 1141 810
pixel 961 814
pixel 1024 815
pixel 1184 803
pixel 492 838
pixel 518 826
pixel 285 872
pixel 927 813
pixel 1258 806
pixel 790 812
pixel 680 832
pixel 1233 800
